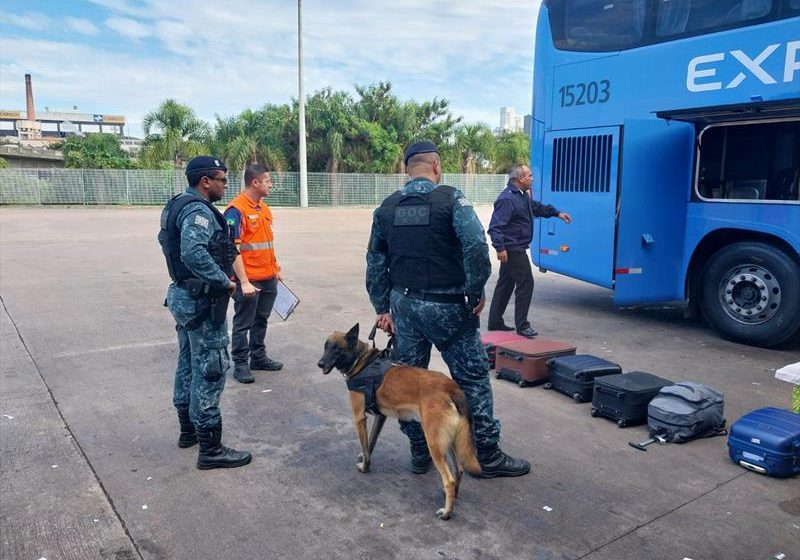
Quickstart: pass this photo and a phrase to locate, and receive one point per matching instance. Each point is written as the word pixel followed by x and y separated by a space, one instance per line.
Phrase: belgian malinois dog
pixel 409 393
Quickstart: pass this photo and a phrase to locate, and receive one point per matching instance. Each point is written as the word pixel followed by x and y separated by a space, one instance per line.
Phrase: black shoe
pixel 500 464
pixel 500 327
pixel 214 455
pixel 242 373
pixel 527 332
pixel 188 436
pixel 420 458
pixel 267 364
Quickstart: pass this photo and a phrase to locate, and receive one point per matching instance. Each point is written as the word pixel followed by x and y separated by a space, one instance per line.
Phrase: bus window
pixel 757 161
pixel 601 26
pixel 678 17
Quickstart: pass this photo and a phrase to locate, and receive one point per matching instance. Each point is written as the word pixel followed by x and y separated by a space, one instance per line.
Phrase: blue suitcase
pixel 767 441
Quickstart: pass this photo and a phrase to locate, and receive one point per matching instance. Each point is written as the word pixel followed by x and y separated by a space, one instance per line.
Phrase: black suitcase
pixel 624 397
pixel 574 375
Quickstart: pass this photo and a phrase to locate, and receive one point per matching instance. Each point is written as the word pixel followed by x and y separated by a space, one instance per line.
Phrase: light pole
pixel 302 110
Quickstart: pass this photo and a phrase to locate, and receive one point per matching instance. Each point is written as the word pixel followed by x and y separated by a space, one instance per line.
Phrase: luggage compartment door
pixel 580 175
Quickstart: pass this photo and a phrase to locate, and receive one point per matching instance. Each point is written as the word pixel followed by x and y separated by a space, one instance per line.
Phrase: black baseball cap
pixel 421 147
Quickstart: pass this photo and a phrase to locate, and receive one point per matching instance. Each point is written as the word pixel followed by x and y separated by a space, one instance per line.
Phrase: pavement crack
pixel 656 518
pixel 69 429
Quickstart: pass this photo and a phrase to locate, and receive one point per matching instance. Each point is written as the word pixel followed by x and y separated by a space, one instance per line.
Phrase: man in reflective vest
pixel 251 221
pixel 427 264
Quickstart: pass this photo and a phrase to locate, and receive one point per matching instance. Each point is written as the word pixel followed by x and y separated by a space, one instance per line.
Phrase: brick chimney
pixel 29 98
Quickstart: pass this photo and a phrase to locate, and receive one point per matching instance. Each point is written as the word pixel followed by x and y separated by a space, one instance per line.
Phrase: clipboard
pixel 285 302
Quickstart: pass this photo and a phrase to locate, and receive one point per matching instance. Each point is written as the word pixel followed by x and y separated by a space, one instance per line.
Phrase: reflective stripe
pixel 255 246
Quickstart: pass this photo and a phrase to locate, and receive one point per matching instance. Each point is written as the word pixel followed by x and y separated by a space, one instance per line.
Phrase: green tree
pixel 475 146
pixel 3 163
pixel 173 133
pixel 95 151
pixel 253 137
pixel 512 148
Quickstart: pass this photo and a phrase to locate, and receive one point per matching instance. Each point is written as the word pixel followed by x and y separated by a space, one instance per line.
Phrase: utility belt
pixel 470 319
pixel 217 298
pixel 432 297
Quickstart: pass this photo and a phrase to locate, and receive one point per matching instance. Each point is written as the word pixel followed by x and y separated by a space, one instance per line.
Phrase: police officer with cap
pixel 427 264
pixel 201 257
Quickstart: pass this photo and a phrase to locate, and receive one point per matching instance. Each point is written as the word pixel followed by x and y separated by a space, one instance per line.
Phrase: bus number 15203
pixel 585 94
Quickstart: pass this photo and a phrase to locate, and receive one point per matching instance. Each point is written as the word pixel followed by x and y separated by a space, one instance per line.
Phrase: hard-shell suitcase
pixel 767 441
pixel 624 397
pixel 574 375
pixel 525 361
pixel 491 339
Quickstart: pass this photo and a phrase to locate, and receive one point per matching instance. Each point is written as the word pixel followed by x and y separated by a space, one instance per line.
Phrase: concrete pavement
pixel 86 370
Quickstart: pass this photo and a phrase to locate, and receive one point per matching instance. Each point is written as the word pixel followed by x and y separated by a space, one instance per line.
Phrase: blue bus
pixel 670 130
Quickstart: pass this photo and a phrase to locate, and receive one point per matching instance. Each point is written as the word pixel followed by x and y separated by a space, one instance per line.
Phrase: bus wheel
pixel 750 293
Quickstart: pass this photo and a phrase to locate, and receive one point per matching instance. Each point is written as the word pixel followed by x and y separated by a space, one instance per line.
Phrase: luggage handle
pixel 510 355
pixel 752 467
pixel 601 389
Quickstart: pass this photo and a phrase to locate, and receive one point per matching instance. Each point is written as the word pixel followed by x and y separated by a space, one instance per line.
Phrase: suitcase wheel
pixel 622 423
pixel 595 412
pixel 522 383
pixel 577 397
pixel 547 385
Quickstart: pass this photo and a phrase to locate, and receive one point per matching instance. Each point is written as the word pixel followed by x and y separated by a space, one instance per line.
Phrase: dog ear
pixel 352 336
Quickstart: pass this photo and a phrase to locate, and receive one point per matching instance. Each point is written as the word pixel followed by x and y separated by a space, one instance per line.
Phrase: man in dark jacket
pixel 511 230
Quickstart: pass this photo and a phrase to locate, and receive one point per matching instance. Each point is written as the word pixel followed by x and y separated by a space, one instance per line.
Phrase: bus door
pixel 656 181
pixel 580 177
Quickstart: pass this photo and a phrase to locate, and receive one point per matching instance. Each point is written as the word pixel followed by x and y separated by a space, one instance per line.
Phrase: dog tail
pixel 463 444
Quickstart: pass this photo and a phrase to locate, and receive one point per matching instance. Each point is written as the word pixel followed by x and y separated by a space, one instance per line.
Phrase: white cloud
pixel 32 21
pixel 221 59
pixel 127 27
pixel 82 26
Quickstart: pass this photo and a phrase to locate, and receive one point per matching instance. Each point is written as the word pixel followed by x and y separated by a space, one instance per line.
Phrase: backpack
pixel 686 411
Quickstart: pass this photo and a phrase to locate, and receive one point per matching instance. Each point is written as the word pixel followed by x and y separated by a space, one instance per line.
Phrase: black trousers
pixel 250 316
pixel 515 276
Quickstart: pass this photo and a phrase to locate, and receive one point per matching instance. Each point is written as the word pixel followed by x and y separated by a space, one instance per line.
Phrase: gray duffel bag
pixel 686 411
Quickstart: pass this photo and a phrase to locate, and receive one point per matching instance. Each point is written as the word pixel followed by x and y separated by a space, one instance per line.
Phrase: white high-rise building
pixel 509 120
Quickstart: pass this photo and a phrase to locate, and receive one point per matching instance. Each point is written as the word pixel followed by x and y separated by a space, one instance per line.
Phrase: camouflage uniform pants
pixel 202 359
pixel 418 325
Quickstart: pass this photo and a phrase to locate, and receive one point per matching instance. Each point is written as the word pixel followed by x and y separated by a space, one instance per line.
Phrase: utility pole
pixel 302 110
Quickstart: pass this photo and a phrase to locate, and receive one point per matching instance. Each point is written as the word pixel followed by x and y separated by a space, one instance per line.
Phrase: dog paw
pixel 443 514
pixel 362 466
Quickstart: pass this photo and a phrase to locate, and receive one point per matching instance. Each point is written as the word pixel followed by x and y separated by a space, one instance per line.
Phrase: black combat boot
pixel 214 455
pixel 188 436
pixel 420 457
pixel 495 463
pixel 242 373
pixel 266 364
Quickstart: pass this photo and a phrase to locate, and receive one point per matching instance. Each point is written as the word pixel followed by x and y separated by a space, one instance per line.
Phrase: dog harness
pixel 369 379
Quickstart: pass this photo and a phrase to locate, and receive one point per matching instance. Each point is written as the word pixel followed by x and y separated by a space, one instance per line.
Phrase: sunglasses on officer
pixel 223 180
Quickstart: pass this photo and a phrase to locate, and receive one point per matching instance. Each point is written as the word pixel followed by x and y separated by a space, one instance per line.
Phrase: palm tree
pixel 512 148
pixel 475 146
pixel 253 137
pixel 173 133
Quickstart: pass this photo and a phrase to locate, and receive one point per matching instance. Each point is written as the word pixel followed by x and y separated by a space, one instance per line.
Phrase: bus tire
pixel 750 293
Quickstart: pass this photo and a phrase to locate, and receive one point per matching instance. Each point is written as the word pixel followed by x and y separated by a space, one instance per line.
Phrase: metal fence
pixel 154 187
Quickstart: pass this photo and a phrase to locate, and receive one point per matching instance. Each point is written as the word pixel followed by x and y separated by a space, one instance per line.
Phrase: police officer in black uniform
pixel 201 257
pixel 427 264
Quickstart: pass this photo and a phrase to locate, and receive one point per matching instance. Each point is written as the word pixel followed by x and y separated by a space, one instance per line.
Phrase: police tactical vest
pixel 424 251
pixel 220 247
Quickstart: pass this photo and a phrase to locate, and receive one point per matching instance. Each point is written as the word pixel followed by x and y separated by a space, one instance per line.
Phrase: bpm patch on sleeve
pixel 201 221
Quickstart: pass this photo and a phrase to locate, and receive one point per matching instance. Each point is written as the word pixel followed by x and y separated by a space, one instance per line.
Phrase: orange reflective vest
pixel 255 239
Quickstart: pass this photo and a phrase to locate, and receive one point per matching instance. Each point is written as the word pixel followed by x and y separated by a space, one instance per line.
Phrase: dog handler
pixel 427 264
pixel 200 257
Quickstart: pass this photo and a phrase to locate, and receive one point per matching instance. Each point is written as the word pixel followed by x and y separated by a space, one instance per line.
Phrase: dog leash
pixel 389 343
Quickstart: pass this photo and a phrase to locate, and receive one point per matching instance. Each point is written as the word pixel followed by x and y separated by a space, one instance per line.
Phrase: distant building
pixel 526 126
pixel 29 127
pixel 509 120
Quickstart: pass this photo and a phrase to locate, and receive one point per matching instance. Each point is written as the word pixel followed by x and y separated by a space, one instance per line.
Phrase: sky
pixel 127 56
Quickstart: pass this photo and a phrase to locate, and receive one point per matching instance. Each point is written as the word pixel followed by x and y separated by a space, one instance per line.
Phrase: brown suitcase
pixel 525 361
